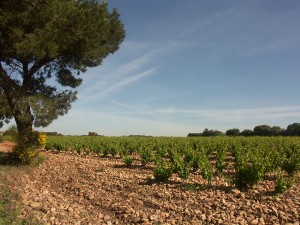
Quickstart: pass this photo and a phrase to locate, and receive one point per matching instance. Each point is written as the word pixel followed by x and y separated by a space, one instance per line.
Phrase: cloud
pixel 264 113
pixel 110 79
pixel 117 87
pixel 126 120
pixel 280 112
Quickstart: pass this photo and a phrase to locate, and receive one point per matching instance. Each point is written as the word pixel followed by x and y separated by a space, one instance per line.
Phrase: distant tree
pixel 262 130
pixel 276 131
pixel 51 40
pixel 208 133
pixel 194 134
pixel 246 133
pixel 233 132
pixel 53 134
pixel 93 134
pixel 293 129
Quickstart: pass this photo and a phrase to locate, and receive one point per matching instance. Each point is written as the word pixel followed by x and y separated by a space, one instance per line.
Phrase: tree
pixel 247 133
pixel 208 133
pixel 48 41
pixel 262 130
pixel 293 129
pixel 276 131
pixel 194 134
pixel 93 134
pixel 233 132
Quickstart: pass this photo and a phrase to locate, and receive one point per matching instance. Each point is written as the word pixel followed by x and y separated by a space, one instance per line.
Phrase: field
pixel 164 180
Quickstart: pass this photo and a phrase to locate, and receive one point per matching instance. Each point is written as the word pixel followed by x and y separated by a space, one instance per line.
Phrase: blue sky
pixel 189 65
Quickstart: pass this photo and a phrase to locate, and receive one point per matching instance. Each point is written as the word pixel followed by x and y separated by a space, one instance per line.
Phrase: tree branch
pixel 5 79
pixel 38 65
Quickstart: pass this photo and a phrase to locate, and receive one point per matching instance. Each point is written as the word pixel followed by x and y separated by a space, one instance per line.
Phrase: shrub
pixel 247 176
pixel 163 170
pixel 291 161
pixel 283 184
pixel 128 160
pixel 180 166
pixel 206 169
pixel 146 156
pixel 27 147
pixel 220 164
pixel 42 139
pixel 250 168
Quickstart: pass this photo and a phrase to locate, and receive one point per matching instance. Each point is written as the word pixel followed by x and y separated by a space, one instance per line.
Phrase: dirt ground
pixel 87 189
pixel 6 146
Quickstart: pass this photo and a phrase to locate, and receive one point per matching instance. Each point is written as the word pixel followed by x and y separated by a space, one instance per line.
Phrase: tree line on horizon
pixel 260 130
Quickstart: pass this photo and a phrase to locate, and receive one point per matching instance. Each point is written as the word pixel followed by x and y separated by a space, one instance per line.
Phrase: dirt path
pixel 76 189
pixel 6 146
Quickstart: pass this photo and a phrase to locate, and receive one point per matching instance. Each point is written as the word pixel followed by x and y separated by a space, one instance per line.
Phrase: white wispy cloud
pixel 174 122
pixel 279 112
pixel 242 114
pixel 101 83
pixel 117 87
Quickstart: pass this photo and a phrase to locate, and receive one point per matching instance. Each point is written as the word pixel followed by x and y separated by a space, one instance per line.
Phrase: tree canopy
pixel 45 45
pixel 233 132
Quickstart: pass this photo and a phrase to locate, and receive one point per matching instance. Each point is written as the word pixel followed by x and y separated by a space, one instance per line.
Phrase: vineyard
pixel 244 162
pixel 160 180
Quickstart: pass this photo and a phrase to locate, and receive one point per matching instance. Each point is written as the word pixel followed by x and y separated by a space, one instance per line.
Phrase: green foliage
pixel 291 161
pixel 283 183
pixel 93 134
pixel 5 112
pixel 180 166
pixel 220 164
pixel 146 156
pixel 246 133
pixel 128 160
pixel 293 129
pixel 262 130
pixel 79 148
pixel 163 170
pixel 233 132
pixel 250 169
pixel 209 133
pixel 26 150
pixel 206 169
pixel 196 160
pixel 247 176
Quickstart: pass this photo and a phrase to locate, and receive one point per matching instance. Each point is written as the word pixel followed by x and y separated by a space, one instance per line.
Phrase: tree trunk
pixel 24 123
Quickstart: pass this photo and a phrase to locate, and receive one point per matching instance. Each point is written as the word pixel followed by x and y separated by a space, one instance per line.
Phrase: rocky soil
pixel 78 189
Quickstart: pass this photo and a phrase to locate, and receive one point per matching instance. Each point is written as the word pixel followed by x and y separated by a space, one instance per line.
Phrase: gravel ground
pixel 78 189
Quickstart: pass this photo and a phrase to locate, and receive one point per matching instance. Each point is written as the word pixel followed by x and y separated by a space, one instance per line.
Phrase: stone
pixel 91 196
pixel 236 191
pixel 254 222
pixel 35 204
pixel 70 209
pixel 106 218
pixel 203 217
pixel 138 201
